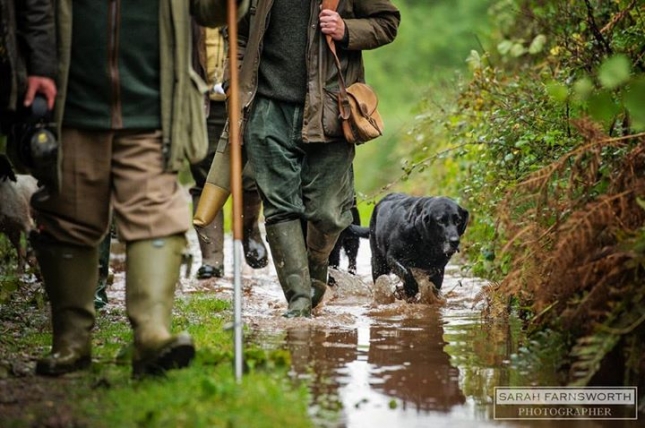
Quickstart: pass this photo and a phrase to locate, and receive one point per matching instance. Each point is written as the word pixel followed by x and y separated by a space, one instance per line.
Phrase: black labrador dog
pixel 349 243
pixel 414 232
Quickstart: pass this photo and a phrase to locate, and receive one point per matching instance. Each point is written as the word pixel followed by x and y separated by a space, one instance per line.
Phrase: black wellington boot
pixel 211 245
pixel 255 253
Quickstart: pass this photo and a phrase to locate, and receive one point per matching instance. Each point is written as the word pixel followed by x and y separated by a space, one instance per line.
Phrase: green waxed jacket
pixel 370 24
pixel 183 121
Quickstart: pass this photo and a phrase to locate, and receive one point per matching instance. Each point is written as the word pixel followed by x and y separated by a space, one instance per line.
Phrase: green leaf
pixel 473 60
pixel 614 71
pixel 517 50
pixel 640 202
pixel 520 143
pixel 588 353
pixel 504 47
pixel 537 45
pixel 557 91
pixel 634 102
pixel 583 89
pixel 602 106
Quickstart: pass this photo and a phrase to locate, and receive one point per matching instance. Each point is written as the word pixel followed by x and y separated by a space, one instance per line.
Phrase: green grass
pixel 201 396
pixel 204 395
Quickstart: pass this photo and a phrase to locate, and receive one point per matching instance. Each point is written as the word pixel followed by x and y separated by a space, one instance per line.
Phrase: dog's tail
pixel 361 232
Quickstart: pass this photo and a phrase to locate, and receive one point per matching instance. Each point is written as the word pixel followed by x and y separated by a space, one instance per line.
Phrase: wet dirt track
pixel 373 361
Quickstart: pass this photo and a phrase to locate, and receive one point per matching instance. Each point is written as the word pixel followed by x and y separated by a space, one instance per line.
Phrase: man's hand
pixel 6 171
pixel 332 24
pixel 43 85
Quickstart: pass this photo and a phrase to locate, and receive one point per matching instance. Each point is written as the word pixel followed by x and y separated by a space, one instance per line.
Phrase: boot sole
pixel 297 313
pixel 257 264
pixel 177 355
pixel 44 368
pixel 208 271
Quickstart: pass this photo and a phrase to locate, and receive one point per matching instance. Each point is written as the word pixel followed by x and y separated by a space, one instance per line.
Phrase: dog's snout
pixel 452 245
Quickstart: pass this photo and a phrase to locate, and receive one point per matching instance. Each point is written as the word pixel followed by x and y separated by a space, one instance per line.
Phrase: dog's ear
pixel 463 213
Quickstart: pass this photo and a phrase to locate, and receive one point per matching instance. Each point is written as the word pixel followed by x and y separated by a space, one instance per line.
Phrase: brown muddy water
pixel 372 361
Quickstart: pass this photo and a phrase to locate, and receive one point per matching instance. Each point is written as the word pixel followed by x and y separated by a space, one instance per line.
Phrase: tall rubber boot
pixel 152 272
pixel 211 202
pixel 100 297
pixel 319 246
pixel 289 253
pixel 211 245
pixel 255 253
pixel 70 274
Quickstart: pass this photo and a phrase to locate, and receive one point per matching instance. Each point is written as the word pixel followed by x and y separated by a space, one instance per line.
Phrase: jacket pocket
pixel 332 125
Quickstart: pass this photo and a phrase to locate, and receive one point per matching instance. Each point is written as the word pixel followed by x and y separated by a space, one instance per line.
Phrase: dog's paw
pixel 428 293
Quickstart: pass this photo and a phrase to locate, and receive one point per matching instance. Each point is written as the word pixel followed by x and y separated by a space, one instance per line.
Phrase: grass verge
pixel 203 395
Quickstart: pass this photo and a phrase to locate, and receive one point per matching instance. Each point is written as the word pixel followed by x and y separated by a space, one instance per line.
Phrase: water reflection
pixel 410 363
pixel 394 367
pixel 322 357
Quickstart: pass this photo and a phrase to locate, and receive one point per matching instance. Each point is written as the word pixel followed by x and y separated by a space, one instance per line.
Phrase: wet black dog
pixel 349 243
pixel 413 232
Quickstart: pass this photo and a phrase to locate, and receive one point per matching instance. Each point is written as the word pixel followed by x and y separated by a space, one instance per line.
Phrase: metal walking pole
pixel 236 183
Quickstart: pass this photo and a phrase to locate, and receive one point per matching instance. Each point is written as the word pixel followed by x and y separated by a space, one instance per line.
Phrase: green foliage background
pixel 431 48
pixel 493 95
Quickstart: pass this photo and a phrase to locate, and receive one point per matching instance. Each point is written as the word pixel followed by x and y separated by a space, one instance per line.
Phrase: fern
pixel 590 351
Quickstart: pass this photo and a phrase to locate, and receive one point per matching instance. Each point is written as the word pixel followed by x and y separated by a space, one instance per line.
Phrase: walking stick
pixel 236 183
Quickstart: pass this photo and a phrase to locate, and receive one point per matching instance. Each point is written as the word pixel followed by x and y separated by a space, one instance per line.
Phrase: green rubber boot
pixel 152 272
pixel 289 253
pixel 70 274
pixel 319 279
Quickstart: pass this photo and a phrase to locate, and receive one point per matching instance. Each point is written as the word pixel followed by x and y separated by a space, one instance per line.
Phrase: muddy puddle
pixel 372 361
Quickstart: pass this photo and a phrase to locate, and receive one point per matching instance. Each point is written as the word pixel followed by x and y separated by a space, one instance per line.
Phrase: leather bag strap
pixel 343 100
